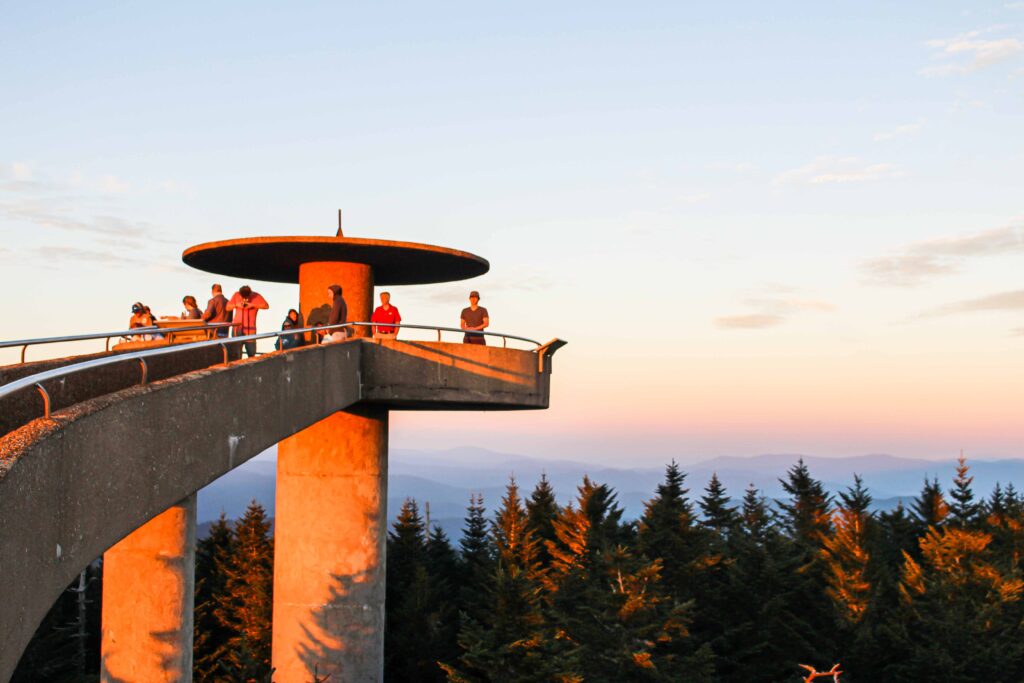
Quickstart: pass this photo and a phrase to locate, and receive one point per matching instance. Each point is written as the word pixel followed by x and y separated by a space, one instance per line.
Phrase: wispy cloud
pixel 921 260
pixel 905 130
pixel 836 170
pixel 771 311
pixel 972 51
pixel 1001 301
pixel 753 321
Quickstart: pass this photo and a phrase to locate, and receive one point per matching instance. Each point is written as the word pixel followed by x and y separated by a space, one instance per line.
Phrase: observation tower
pixel 331 509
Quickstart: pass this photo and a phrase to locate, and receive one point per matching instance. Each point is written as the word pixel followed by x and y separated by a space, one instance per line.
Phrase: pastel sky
pixel 763 227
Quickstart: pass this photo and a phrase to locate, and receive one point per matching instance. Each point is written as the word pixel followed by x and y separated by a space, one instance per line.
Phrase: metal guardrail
pixel 163 331
pixel 37 379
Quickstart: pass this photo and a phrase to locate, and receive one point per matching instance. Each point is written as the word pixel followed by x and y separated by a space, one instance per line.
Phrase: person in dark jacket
pixel 217 310
pixel 290 341
pixel 339 315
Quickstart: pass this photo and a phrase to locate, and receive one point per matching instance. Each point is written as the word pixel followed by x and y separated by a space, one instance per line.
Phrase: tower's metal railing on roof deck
pixel 168 332
pixel 141 356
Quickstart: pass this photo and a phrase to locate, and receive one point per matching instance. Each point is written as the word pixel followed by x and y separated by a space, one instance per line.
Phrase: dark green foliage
pixel 65 648
pixel 542 593
pixel 419 627
pixel 964 511
pixel 245 606
pixel 930 508
pixel 541 511
pixel 213 557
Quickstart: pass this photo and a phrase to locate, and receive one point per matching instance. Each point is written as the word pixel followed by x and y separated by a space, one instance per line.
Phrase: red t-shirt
pixel 390 316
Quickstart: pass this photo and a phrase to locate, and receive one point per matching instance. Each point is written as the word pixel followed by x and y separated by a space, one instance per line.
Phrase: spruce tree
pixel 930 508
pixel 964 510
pixel 246 605
pixel 668 531
pixel 718 515
pixel 508 642
pixel 807 518
pixel 412 624
pixel 211 636
pixel 612 619
pixel 477 556
pixel 541 511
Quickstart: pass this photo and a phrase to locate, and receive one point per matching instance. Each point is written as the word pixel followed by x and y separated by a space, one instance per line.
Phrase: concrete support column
pixel 329 546
pixel 148 592
pixel 356 280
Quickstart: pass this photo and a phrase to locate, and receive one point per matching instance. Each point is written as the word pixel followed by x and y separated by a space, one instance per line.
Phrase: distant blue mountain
pixel 445 479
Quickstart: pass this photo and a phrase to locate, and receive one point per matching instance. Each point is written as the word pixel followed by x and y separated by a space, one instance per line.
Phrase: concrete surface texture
pixel 73 486
pixel 329 549
pixel 148 590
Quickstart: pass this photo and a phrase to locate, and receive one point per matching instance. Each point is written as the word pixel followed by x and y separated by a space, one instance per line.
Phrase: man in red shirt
pixel 388 315
pixel 246 304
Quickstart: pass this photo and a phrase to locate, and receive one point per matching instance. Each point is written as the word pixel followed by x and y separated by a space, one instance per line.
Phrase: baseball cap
pixel 474 293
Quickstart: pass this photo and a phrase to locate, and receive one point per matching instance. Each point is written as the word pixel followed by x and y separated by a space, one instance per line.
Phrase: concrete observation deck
pixel 115 468
pixel 72 486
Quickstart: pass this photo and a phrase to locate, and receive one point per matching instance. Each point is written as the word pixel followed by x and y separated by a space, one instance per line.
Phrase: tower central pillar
pixel 356 281
pixel 329 549
pixel 148 591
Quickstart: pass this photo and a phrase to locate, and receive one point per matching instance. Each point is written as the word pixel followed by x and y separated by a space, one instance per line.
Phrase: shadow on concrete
pixel 340 635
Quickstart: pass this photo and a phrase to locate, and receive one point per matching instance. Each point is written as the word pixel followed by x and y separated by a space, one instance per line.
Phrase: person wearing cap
pixel 474 320
pixel 141 317
pixel 387 316
pixel 246 304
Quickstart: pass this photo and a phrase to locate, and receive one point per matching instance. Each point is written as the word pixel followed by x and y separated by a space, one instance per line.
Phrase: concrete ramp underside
pixel 74 485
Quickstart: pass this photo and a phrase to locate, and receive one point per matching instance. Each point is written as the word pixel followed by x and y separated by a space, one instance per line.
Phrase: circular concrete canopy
pixel 277 259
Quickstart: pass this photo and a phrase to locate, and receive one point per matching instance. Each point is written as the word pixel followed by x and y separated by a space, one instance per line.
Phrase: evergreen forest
pixel 703 587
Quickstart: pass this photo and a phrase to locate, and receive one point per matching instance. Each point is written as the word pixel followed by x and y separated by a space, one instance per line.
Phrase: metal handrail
pixel 141 356
pixel 170 331
pixel 504 337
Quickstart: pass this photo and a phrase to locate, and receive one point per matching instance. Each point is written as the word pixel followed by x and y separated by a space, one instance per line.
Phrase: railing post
pixel 46 401
pixel 439 334
pixel 145 370
pixel 23 349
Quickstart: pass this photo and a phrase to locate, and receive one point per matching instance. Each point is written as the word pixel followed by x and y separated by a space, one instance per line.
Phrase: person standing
pixel 474 320
pixel 217 310
pixel 339 315
pixel 388 316
pixel 245 304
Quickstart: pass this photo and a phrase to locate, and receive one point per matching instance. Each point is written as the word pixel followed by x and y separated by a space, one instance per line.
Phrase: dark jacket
pixel 339 309
pixel 217 310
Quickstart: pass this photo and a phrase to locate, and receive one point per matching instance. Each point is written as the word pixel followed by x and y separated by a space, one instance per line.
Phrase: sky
pixel 788 227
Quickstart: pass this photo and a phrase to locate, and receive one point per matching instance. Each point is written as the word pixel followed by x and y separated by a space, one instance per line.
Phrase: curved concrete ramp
pixel 74 485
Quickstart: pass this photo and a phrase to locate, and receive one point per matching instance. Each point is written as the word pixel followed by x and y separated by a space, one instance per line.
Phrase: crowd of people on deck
pixel 238 314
